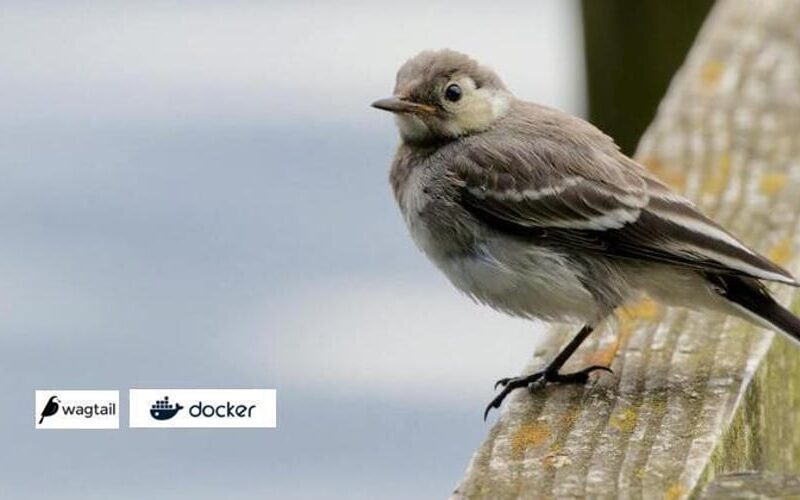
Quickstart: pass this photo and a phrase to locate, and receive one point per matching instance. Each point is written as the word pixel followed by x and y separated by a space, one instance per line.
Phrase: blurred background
pixel 195 194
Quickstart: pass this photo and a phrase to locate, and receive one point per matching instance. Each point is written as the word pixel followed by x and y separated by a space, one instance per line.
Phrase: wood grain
pixel 694 395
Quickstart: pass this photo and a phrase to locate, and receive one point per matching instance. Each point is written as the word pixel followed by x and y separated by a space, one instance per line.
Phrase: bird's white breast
pixel 516 277
pixel 522 280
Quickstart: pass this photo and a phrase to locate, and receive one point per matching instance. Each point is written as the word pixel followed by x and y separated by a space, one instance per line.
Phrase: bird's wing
pixel 596 200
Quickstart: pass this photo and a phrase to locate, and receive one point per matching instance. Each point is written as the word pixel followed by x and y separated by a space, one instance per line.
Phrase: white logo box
pixel 69 409
pixel 203 408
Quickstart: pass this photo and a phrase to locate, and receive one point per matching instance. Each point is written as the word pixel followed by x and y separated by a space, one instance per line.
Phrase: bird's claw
pixel 509 384
pixel 502 382
pixel 532 382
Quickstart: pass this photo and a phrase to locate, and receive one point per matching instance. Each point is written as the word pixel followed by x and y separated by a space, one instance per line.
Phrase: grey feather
pixel 537 213
pixel 607 203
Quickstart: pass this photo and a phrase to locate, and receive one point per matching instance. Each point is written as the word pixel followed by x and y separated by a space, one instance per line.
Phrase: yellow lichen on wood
pixel 716 183
pixel 657 404
pixel 674 492
pixel 782 252
pixel 672 177
pixel 711 73
pixel 625 421
pixel 529 436
pixel 605 356
pixel 568 419
pixel 772 182
pixel 644 310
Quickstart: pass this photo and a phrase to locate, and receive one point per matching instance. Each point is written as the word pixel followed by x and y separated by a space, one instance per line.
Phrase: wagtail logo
pixel 77 410
pixel 50 409
pixel 164 410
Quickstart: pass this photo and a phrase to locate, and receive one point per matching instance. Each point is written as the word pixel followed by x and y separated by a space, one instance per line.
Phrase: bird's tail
pixel 40 420
pixel 751 298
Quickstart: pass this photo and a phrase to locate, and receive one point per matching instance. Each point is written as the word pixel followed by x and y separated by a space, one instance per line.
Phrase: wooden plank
pixel 694 395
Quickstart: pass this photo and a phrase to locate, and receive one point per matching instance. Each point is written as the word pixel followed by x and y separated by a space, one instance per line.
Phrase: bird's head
pixel 441 95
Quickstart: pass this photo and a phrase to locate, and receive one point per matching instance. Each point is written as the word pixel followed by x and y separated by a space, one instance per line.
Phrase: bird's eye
pixel 453 92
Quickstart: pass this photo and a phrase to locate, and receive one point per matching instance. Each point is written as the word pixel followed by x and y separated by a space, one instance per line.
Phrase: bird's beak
pixel 400 105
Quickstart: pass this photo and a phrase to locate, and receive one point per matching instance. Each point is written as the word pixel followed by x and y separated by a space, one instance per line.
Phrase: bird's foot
pixel 538 379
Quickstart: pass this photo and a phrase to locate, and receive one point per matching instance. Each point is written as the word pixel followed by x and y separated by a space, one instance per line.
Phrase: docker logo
pixel 162 409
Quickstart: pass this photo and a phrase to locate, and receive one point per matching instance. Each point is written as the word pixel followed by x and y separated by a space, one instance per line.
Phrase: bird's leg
pixel 549 374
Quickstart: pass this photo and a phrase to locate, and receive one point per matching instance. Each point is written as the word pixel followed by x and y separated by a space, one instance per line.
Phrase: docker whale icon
pixel 164 410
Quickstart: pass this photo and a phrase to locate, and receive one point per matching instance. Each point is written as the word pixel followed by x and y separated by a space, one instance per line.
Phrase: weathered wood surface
pixel 694 395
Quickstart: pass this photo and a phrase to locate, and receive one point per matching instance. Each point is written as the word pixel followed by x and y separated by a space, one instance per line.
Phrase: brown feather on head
pixel 420 76
pixel 444 94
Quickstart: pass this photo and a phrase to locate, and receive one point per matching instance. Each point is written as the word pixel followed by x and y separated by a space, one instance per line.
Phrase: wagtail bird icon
pixel 538 214
pixel 50 408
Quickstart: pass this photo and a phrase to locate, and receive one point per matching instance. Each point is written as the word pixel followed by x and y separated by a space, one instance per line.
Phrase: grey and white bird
pixel 538 214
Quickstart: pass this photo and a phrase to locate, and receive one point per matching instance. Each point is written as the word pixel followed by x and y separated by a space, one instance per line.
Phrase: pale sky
pixel 320 61
pixel 195 194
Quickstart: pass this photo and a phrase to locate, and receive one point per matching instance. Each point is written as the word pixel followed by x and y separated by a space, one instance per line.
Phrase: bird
pixel 538 214
pixel 50 408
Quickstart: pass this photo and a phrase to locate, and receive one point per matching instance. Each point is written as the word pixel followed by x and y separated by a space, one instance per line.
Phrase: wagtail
pixel 538 214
